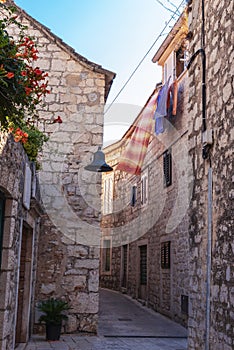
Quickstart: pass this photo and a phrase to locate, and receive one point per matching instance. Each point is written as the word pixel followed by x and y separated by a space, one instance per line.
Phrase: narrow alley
pixel 124 324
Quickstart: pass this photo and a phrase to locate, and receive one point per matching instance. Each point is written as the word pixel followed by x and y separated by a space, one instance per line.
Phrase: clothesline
pixel 150 120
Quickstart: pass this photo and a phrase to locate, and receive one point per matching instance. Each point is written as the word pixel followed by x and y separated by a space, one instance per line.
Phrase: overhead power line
pixel 171 3
pixel 167 8
pixel 144 57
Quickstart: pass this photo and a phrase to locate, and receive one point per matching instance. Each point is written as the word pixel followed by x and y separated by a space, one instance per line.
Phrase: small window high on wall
pixel 180 58
pixel 175 63
pixel 2 214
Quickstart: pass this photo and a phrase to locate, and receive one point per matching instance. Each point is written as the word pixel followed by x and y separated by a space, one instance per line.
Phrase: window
pixel 167 168
pixel 106 255
pixel 2 213
pixel 169 68
pixel 165 255
pixel 108 195
pixel 181 59
pixel 133 196
pixel 144 188
pixel 176 62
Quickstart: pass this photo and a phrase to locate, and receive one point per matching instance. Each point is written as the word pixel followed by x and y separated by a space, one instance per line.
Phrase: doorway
pixel 142 290
pixel 24 289
pixel 124 267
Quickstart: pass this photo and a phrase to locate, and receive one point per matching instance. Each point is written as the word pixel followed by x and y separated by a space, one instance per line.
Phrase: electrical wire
pixel 166 8
pixel 171 3
pixel 144 57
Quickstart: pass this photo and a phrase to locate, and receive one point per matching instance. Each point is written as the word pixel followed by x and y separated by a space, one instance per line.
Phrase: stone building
pixel 20 212
pixel 145 246
pixel 67 263
pixel 211 211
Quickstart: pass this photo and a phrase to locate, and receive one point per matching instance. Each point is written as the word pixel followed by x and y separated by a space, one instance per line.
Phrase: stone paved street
pixel 124 325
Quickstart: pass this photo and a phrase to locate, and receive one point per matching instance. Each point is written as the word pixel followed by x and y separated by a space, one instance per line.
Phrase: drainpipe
pixel 207 141
pixel 209 257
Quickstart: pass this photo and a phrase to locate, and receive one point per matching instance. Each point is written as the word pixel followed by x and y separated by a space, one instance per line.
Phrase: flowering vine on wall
pixel 22 85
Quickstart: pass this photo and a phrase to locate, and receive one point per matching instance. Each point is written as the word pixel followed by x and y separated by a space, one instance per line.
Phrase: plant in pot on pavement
pixel 53 315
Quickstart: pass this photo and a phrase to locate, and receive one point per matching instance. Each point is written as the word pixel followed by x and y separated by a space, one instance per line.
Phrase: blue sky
pixel 115 34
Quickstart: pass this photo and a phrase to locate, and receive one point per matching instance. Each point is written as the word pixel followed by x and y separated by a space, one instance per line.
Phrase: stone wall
pixel 164 218
pixel 219 104
pixel 68 253
pixel 14 280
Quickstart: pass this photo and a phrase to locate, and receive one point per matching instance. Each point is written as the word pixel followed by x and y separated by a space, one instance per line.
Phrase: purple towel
pixel 161 110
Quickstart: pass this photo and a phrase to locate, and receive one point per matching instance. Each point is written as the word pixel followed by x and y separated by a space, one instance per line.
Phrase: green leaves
pixel 53 311
pixel 22 86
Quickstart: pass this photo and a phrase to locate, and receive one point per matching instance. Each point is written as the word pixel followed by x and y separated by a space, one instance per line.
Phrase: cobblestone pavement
pixel 71 342
pixel 123 325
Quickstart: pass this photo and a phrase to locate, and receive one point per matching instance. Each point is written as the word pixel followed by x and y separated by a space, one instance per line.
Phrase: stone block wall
pixel 164 218
pixel 16 217
pixel 219 107
pixel 68 252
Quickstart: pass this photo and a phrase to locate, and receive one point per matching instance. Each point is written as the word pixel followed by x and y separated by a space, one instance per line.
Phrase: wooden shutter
pixel 143 264
pixel 144 189
pixel 166 255
pixel 167 168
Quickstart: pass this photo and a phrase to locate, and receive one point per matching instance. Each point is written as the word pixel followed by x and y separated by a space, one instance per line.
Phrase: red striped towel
pixel 133 157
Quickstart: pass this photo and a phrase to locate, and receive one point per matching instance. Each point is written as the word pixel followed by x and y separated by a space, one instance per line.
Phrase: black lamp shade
pixel 98 164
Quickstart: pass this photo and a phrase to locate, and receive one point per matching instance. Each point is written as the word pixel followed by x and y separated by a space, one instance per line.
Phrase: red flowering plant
pixel 22 85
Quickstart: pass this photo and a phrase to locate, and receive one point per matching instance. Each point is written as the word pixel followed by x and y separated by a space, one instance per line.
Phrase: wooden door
pixel 24 289
pixel 143 272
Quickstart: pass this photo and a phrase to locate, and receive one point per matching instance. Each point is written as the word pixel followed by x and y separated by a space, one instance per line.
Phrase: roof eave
pixel 176 28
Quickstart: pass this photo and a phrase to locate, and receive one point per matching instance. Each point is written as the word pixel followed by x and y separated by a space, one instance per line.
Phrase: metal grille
pixel 143 264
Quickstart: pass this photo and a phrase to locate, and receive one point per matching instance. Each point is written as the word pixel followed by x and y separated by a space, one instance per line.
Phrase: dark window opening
pixel 166 255
pixel 184 304
pixel 180 60
pixel 133 196
pixel 167 168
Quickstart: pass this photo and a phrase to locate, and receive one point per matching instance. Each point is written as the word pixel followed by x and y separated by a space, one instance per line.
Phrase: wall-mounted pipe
pixel 203 56
pixel 209 259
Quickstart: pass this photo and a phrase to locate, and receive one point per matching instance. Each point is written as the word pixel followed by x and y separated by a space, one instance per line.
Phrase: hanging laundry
pixel 133 157
pixel 159 125
pixel 161 110
pixel 172 98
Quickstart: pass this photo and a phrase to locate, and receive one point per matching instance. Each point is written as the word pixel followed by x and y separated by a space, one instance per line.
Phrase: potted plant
pixel 52 316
